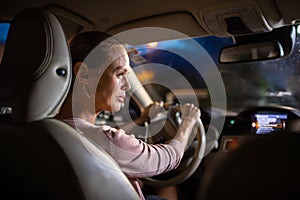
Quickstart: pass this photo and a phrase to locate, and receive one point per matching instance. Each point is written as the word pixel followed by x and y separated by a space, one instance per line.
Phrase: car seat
pixel 260 167
pixel 42 157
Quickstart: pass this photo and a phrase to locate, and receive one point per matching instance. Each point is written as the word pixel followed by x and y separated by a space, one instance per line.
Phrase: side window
pixel 4 27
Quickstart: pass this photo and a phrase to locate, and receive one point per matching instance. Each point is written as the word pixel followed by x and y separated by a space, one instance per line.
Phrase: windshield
pixel 246 84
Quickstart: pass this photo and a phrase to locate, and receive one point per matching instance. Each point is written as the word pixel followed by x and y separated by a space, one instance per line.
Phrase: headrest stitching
pixel 49 47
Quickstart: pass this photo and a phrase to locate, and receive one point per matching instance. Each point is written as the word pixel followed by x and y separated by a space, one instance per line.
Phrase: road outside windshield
pixel 246 84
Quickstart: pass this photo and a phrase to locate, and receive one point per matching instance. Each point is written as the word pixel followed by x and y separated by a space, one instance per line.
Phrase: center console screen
pixel 264 123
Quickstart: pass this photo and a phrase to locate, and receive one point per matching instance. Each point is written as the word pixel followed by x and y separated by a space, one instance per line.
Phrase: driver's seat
pixel 41 157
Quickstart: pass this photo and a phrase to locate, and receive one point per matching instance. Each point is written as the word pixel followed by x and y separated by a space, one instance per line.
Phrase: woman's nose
pixel 126 85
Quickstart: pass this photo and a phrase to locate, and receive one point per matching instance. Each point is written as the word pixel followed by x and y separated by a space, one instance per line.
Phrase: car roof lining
pixel 189 17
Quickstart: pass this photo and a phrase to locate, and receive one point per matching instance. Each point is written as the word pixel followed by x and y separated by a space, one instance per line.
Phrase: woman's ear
pixel 81 72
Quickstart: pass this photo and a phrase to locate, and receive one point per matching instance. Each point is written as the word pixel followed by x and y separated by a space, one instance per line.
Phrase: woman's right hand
pixel 189 116
pixel 190 113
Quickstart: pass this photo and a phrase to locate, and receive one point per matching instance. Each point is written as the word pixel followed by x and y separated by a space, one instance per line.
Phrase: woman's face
pixel 113 84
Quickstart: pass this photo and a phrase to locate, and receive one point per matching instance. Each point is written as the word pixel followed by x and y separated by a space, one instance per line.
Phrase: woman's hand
pixel 150 112
pixel 189 115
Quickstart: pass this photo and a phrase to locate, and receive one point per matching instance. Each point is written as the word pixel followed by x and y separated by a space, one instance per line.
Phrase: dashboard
pixel 259 121
pixel 258 148
pixel 262 120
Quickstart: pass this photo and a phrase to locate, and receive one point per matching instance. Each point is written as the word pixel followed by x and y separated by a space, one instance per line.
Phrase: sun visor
pixel 71 22
pixel 182 22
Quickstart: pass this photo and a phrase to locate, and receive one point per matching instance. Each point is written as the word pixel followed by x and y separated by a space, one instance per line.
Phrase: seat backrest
pixel 41 157
pixel 261 167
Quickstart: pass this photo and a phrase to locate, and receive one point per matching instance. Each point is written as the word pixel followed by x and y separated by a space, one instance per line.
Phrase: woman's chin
pixel 117 107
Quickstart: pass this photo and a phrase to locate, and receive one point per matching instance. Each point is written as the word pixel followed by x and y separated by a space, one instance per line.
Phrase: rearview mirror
pixel 251 52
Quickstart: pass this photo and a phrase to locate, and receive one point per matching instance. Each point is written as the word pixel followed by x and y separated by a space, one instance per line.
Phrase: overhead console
pixel 239 18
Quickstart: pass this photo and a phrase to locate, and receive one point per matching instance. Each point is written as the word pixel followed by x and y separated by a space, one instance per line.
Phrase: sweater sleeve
pixel 138 159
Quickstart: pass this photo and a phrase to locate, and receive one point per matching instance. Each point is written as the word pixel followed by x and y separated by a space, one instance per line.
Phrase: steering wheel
pixel 192 157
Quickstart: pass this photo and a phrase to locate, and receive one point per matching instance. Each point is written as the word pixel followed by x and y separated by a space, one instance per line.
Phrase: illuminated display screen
pixel 264 123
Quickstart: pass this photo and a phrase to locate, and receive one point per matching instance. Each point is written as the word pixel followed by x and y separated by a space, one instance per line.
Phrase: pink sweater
pixel 136 158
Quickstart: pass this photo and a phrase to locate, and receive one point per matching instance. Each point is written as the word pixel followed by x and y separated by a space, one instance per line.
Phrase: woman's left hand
pixel 150 112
